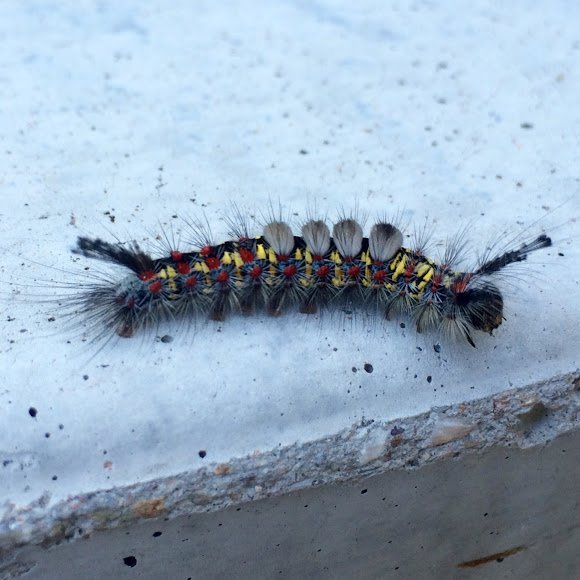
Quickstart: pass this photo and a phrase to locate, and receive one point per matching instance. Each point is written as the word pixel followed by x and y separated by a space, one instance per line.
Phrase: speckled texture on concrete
pixel 498 512
pixel 519 418
pixel 120 119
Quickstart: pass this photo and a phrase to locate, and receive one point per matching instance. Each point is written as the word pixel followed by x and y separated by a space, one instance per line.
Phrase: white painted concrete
pixel 144 112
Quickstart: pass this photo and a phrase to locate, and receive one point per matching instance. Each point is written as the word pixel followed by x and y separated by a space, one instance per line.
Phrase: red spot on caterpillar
pixel 213 263
pixel 176 256
pixel 155 287
pixel 223 277
pixel 353 271
pixel 183 268
pixel 147 275
pixel 205 251
pixel 255 272
pixel 346 259
pixel 191 282
pixel 283 258
pixel 317 258
pixel 323 271
pixel 436 283
pixel 380 276
pixel 289 271
pixel 246 255
pixel 460 285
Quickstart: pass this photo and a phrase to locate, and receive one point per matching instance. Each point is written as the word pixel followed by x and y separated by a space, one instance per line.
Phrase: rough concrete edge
pixel 522 418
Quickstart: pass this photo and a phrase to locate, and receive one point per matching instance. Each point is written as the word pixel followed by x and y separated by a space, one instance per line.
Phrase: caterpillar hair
pixel 278 271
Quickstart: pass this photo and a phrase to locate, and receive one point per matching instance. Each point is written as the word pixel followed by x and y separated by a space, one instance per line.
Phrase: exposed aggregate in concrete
pixel 525 417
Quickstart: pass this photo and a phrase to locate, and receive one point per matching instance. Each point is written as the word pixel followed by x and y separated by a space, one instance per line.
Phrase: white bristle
pixel 317 237
pixel 280 237
pixel 384 242
pixel 347 235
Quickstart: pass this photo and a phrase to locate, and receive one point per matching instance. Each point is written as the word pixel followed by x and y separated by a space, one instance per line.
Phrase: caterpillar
pixel 277 271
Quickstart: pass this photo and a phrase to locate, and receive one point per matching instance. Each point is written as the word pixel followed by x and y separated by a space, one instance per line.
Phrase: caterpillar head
pixel 476 308
pixel 482 307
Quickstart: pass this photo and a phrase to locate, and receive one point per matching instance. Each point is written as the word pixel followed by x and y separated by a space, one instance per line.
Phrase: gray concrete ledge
pixel 529 417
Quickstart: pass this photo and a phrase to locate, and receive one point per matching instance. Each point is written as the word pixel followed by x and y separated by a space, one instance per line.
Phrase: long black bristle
pixel 513 256
pixel 133 258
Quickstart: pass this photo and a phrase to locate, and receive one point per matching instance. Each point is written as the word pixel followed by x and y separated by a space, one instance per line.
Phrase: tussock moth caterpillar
pixel 277 272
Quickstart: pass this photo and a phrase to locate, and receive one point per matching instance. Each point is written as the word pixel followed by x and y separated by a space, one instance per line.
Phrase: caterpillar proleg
pixel 277 272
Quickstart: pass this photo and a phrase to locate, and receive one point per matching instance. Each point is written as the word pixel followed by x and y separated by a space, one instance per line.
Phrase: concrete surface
pixel 120 120
pixel 505 512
